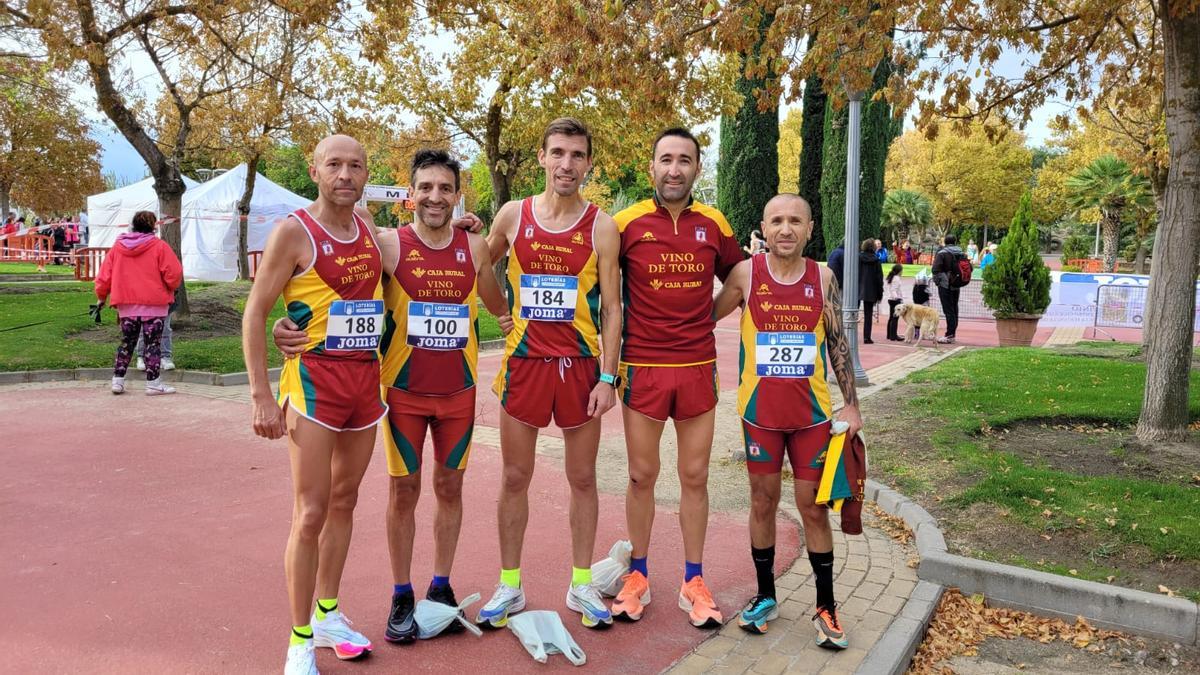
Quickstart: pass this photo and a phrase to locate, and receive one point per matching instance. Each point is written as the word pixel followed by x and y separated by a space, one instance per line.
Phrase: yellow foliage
pixel 789 151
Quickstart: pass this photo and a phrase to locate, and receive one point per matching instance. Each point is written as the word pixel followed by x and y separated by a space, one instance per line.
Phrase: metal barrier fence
pixel 1124 306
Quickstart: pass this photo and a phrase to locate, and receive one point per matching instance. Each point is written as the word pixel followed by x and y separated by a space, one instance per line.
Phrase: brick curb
pixel 71 374
pixel 1103 605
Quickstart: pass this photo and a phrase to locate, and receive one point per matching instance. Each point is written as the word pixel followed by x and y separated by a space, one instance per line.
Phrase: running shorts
pixel 337 393
pixel 678 392
pixel 451 418
pixel 534 389
pixel 805 449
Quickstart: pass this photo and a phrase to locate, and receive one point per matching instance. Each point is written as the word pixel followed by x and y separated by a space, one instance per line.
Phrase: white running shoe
pixel 506 600
pixel 301 660
pixel 158 388
pixel 141 363
pixel 167 363
pixel 118 385
pixel 586 600
pixel 335 632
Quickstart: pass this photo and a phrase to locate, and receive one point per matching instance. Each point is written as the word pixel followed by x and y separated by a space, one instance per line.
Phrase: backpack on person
pixel 960 274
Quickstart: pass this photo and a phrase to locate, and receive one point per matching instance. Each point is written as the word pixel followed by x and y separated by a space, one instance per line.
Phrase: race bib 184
pixel 354 325
pixel 433 325
pixel 548 297
pixel 785 354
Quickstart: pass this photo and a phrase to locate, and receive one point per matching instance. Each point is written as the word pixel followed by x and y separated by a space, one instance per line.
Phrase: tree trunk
pixel 243 255
pixel 1139 258
pixel 170 189
pixel 4 201
pixel 1110 227
pixel 1171 298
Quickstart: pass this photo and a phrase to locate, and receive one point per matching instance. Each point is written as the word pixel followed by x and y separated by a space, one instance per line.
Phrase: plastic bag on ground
pixel 542 633
pixel 433 617
pixel 607 572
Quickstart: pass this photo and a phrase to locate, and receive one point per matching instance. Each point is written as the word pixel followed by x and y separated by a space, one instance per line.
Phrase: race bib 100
pixel 785 354
pixel 433 325
pixel 548 297
pixel 354 325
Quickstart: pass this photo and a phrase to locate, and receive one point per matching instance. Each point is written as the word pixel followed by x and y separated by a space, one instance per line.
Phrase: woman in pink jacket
pixel 138 278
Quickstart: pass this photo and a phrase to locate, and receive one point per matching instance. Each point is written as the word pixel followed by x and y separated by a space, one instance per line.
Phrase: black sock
pixel 764 567
pixel 822 567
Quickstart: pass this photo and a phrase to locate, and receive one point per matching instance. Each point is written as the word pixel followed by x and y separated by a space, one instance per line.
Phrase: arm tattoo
pixel 836 345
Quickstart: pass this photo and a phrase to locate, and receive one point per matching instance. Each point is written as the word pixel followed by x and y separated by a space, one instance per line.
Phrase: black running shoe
pixel 445 595
pixel 402 621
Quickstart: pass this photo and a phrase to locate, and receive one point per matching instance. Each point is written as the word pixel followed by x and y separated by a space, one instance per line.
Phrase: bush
pixel 1071 268
pixel 1075 247
pixel 1018 282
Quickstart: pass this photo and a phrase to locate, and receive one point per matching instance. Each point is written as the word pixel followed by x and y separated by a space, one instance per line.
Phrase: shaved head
pixel 789 200
pixel 339 143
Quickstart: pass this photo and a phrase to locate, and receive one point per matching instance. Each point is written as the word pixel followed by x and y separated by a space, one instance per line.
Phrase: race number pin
pixel 529 233
pixel 808 290
pixel 327 248
pixel 460 255
pixel 701 234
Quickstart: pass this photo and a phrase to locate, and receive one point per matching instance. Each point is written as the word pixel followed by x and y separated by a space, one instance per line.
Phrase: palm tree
pixel 1107 184
pixel 904 211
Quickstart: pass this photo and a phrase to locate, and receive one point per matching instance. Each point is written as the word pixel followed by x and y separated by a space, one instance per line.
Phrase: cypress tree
pixel 1018 283
pixel 812 142
pixel 748 165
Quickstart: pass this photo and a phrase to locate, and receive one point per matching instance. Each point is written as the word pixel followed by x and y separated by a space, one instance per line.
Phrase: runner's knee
pixel 343 499
pixel 404 492
pixel 447 485
pixel 814 515
pixel 309 519
pixel 763 502
pixel 582 478
pixel 642 475
pixel 694 477
pixel 516 478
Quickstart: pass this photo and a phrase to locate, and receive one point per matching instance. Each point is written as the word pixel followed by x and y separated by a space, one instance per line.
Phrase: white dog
pixel 918 316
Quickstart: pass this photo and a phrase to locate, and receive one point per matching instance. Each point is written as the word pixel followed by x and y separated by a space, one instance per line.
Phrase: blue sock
pixel 639 565
pixel 691 569
pixel 439 582
pixel 399 589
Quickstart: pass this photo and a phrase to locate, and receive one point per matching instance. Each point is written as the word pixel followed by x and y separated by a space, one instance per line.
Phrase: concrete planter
pixel 1017 330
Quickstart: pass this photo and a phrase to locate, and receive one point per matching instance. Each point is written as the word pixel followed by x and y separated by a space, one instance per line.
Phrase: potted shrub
pixel 1017 286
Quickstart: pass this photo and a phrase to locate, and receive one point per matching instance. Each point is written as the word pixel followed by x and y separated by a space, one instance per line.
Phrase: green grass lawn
pixel 31 268
pixel 45 326
pixel 969 401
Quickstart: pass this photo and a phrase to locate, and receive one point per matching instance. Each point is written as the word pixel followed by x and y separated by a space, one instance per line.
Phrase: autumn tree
pixel 789 150
pixel 48 162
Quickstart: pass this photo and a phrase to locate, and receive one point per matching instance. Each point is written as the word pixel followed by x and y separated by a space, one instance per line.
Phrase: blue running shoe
pixel 506 600
pixel 757 613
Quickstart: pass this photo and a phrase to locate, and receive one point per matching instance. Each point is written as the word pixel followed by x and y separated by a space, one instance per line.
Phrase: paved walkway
pixel 873 578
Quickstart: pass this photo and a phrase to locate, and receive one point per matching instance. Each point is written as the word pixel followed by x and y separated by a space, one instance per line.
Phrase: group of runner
pixel 595 308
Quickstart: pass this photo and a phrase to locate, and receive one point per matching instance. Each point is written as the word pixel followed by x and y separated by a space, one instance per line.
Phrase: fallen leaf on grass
pixel 1163 589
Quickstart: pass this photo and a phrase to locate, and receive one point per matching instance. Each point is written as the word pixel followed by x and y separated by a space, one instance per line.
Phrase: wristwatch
pixel 614 380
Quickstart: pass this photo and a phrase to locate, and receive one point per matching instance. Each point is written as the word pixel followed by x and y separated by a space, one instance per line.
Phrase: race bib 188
pixel 433 325
pixel 785 354
pixel 354 325
pixel 548 297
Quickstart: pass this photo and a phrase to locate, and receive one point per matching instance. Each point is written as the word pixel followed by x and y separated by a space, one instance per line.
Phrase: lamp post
pixel 850 309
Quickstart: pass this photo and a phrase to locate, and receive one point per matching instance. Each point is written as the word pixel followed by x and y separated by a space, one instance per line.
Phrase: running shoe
pixel 697 601
pixel 586 600
pixel 633 598
pixel 335 632
pixel 506 600
pixel 141 363
pixel 167 363
pixel 118 385
pixel 402 620
pixel 829 630
pixel 445 595
pixel 158 388
pixel 301 660
pixel 760 610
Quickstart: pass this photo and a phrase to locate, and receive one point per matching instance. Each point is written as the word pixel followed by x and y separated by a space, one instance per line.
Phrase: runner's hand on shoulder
pixel 601 400
pixel 268 419
pixel 288 337
pixel 469 222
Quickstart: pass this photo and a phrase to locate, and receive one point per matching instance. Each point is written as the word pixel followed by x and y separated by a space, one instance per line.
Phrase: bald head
pixel 789 201
pixel 339 144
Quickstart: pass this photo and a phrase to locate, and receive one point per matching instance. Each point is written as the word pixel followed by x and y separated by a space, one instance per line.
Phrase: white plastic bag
pixel 607 572
pixel 434 617
pixel 542 633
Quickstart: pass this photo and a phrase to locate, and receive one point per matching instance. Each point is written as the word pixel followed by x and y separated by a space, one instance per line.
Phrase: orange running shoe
pixel 829 630
pixel 633 598
pixel 697 601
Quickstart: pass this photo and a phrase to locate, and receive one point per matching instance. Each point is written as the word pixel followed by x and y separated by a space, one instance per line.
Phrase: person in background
pixel 881 252
pixel 757 244
pixel 973 251
pixel 870 285
pixel 920 294
pixel 893 290
pixel 836 262
pixel 906 256
pixel 989 256
pixel 138 278
pixel 167 346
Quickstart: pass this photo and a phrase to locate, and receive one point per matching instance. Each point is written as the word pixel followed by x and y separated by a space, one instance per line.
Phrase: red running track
pixel 145 535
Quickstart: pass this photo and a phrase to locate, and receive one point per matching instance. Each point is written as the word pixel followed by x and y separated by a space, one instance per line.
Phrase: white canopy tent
pixel 109 213
pixel 210 222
